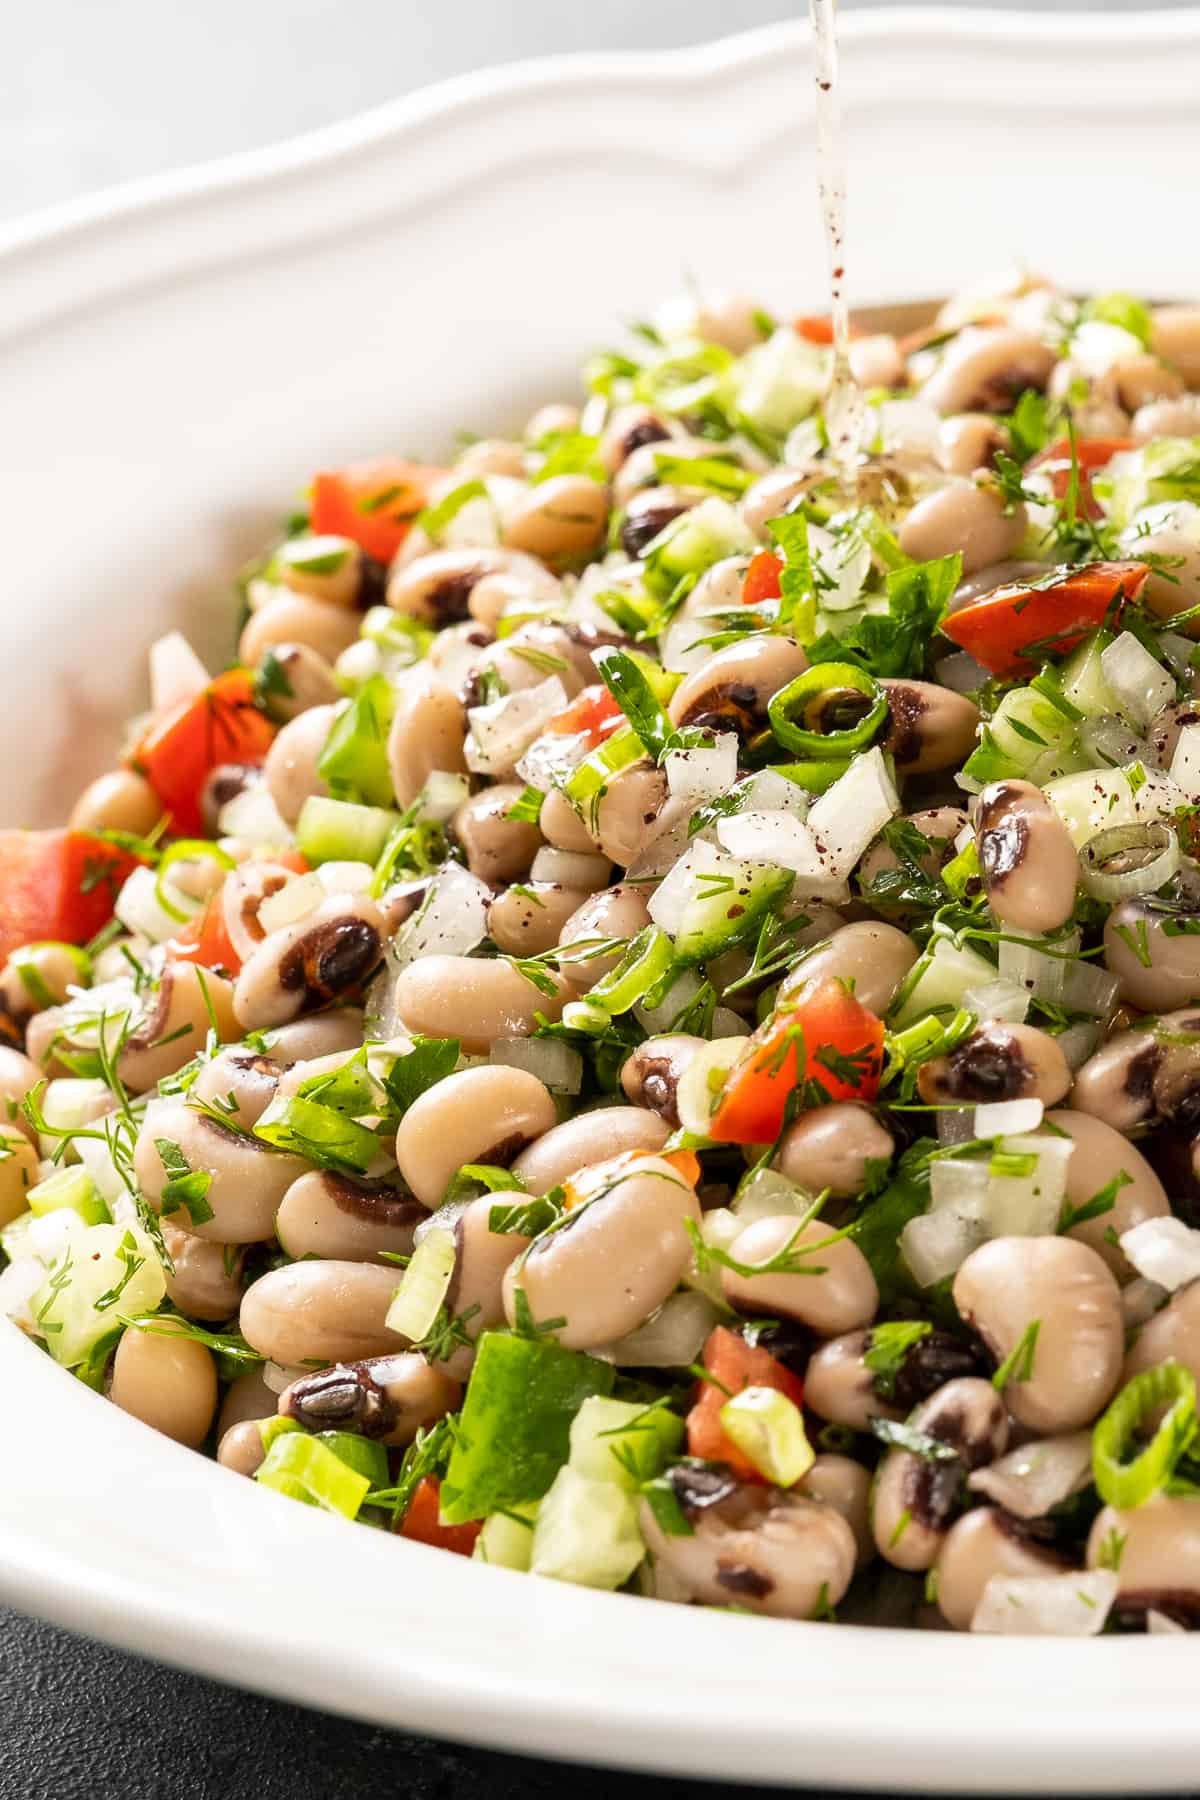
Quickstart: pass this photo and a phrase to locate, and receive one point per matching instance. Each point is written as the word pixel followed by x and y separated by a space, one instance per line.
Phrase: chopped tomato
pixel 374 503
pixel 825 1036
pixel 685 1162
pixel 733 1364
pixel 817 328
pixel 179 750
pixel 1012 629
pixel 205 939
pixel 423 1525
pixel 57 885
pixel 594 713
pixel 1091 454
pixel 762 579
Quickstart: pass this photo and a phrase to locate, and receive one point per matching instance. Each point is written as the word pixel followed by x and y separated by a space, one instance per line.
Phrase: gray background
pixel 99 91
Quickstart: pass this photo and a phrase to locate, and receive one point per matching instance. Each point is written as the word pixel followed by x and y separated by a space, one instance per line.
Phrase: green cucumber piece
pixel 587 1533
pixel 728 911
pixel 340 831
pixel 618 1441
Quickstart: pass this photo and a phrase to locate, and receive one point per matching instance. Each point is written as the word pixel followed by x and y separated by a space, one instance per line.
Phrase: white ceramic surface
pixel 173 361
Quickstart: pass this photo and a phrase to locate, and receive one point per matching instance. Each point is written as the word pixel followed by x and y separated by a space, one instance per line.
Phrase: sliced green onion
pixel 1128 1484
pixel 186 850
pixel 768 1429
pixel 270 1429
pixel 588 781
pixel 814 777
pixel 418 1300
pixel 69 1189
pixel 361 1454
pixel 337 831
pixel 318 1133
pixel 962 870
pixel 305 1469
pixel 24 961
pixel 315 555
pixel 1146 855
pixel 824 693
pixel 649 956
pixel 580 1015
pixel 354 762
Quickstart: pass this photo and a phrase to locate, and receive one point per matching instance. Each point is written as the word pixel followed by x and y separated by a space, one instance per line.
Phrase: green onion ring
pixel 799 696
pixel 649 955
pixel 1159 862
pixel 187 850
pixel 1129 1484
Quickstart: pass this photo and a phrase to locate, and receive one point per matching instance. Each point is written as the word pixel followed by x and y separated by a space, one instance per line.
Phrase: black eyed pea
pixel 516 590
pixel 875 957
pixel 640 469
pixel 481 1115
pixel 497 848
pixel 651 1074
pixel 1158 973
pixel 1173 587
pixel 525 658
pixel 207 1279
pixel 615 912
pixel 629 429
pixel 321 1035
pixel 481 1260
pixel 550 421
pixel 436 587
pixel 1138 381
pixel 630 1227
pixel 915 1497
pixel 986 369
pixel 320 1312
pixel 839 1387
pixel 877 361
pixel 940 825
pixel 18 1172
pixel 969 442
pixel 388 1398
pixel 290 770
pixel 557 520
pixel 1159 1563
pixel 189 1002
pixel 475 999
pixel 248 1180
pixel 242 896
pixel 1100 1154
pixel 832 1146
pixel 325 568
pixel 490 456
pixel 1176 338
pixel 118 801
pixel 528 919
pixel 838 1298
pixel 731 690
pixel 1010 1285
pixel 1117 1083
pixel 843 1484
pixel 228 781
pixel 1166 418
pixel 650 512
pixel 590 1137
pixel 1172 1335
pixel 296 619
pixel 776 493
pixel 997 575
pixel 318 959
pixel 428 732
pixel 240 1445
pixel 929 727
pixel 983 1543
pixel 627 808
pixel 454 647
pixel 19 1075
pixel 238 1083
pixel 758 1548
pixel 343 1220
pixel 167 1381
pixel 1028 862
pixel 1165 727
pixel 971 517
pixel 998 1061
pixel 562 826
pixel 300 678
pixel 248 1397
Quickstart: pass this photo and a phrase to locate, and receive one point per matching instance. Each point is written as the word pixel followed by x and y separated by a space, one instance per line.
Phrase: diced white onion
pixel 1041 973
pixel 442 795
pixel 503 730
pixel 278 1376
pixel 556 1065
pixel 783 841
pixel 671 1339
pixel 552 756
pixel 944 975
pixel 1001 1117
pixel 851 813
pixel 1093 799
pixel 570 868
pixel 294 900
pixel 1078 1042
pixel 935 1244
pixel 768 1195
pixel 728 1024
pixel 423 1285
pixel 1030 1480
pixel 345 877
pixel 1139 681
pixel 961 673
pixel 176 672
pixel 451 922
pixel 1185 763
pixel 955 1124
pixel 667 838
pixel 701 1080
pixel 1088 987
pixel 701 774
pixel 1075 1605
pixel 1001 999
pixel 769 791
pixel 253 817
pixel 681 993
pixel 1164 1250
pixel 139 909
pixel 1029 1205
pixel 1111 741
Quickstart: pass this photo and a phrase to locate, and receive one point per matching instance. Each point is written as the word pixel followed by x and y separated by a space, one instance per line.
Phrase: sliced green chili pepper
pixel 807 715
pixel 1128 1484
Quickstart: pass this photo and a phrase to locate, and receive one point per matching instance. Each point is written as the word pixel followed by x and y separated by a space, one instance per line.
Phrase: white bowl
pixel 174 360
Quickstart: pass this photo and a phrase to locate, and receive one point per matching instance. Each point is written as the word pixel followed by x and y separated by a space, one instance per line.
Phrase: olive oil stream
pixel 845 409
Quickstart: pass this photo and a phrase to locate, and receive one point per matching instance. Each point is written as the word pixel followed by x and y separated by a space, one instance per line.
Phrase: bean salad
pixel 647 1029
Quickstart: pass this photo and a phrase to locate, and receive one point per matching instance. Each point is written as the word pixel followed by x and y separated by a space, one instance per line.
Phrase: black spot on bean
pixel 344 1398
pixel 330 960
pixel 740 1578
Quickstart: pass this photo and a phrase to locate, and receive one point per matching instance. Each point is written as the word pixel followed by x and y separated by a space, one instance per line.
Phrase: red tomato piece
pixel 1091 455
pixel 594 713
pixel 1011 630
pixel 177 752
pixel 817 328
pixel 422 1524
pixel 374 503
pixel 733 1364
pixel 205 939
pixel 762 579
pixel 59 885
pixel 826 1036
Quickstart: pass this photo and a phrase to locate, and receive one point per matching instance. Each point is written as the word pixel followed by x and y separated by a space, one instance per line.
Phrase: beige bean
pixel 242 896
pixel 875 957
pixel 240 1448
pixel 732 320
pixel 562 826
pixel 296 619
pixel 730 691
pixel 332 1216
pixel 774 494
pixel 291 766
pixel 651 1074
pixel 37 977
pixel 877 361
pixel 558 519
pixel 1100 1154
pixel 1026 857
pixel 969 442
pixel 248 1397
pixel 189 1002
pixel 428 731
pixel 321 1035
pixel 629 429
pixel 998 1061
pixel 832 1146
pixel 482 1115
pixel 325 568
pixel 497 848
pixel 629 1227
pixel 1138 381
pixel 320 1312
pixel 550 421
pixel 436 587
pixel 641 470
pixel 836 1293
pixel 1117 1083
pixel 843 1484
pixel 1165 729
pixel 1176 338
pixel 248 1179
pixel 18 1172
pixel 929 727
pixel 983 1543
pixel 590 1137
pixel 389 1398
pixel 528 919
pixel 481 1260
pixel 1072 1370
pixel 490 456
pixel 626 810
pixel 971 517
pixel 473 998
pixel 986 369
pixel 207 1279
pixel 615 912
pixel 1174 587
pixel 302 678
pixel 1167 418
pixel 1172 1335
pixel 529 587
pixel 839 1386
pixel 1155 1552
pixel 167 1381
pixel 118 801
pixel 318 959
pixel 19 1075
pixel 1158 973
pixel 915 1498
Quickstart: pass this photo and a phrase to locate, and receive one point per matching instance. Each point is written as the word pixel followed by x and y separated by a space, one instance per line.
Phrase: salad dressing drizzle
pixel 845 409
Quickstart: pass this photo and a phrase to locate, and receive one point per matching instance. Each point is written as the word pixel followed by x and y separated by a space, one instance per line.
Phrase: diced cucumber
pixel 615 1440
pixel 780 382
pixel 693 542
pixel 514 1429
pixel 506 1540
pixel 73 1188
pixel 361 1454
pixel 728 908
pixel 1024 730
pixel 938 982
pixel 1092 800
pixel 1082 677
pixel 106 1272
pixel 587 1532
pixel 340 831
pixel 14 1237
